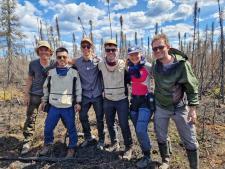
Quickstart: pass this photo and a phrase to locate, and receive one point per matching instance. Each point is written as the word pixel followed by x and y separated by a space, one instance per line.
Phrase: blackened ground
pixel 210 127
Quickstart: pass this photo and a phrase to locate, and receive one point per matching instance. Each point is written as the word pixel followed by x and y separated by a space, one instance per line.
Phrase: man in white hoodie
pixel 62 90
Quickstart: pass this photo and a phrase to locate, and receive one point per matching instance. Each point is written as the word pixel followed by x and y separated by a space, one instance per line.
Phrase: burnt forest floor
pixel 210 129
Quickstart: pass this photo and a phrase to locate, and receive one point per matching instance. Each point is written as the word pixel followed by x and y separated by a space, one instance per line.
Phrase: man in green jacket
pixel 176 93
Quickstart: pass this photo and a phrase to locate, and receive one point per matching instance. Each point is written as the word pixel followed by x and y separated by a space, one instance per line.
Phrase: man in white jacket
pixel 62 90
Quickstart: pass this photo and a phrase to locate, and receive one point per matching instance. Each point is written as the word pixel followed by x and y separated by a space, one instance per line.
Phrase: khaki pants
pixel 31 114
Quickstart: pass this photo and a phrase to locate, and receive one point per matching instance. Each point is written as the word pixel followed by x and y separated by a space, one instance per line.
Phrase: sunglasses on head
pixel 61 57
pixel 86 46
pixel 110 49
pixel 155 49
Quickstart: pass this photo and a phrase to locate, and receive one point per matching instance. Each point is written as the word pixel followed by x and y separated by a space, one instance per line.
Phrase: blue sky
pixel 139 16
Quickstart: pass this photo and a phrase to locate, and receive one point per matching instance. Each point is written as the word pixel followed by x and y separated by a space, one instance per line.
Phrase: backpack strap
pixel 74 90
pixel 127 80
pixel 49 84
pixel 102 82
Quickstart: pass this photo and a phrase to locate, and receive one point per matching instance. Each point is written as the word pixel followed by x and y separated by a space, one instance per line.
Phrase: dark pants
pixel 31 114
pixel 68 116
pixel 122 109
pixel 98 108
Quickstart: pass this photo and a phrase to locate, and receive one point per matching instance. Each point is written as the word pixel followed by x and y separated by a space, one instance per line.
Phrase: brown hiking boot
pixel 70 153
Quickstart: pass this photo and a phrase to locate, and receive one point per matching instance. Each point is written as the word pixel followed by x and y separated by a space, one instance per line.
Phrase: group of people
pixel 65 87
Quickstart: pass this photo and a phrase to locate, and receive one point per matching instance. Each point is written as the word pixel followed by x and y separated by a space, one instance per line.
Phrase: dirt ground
pixel 210 128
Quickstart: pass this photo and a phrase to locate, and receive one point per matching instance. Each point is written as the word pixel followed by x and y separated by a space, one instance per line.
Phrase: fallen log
pixel 41 159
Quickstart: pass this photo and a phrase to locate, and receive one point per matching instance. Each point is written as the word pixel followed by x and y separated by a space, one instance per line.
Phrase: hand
pixel 77 108
pixel 26 99
pixel 126 63
pixel 192 117
pixel 41 107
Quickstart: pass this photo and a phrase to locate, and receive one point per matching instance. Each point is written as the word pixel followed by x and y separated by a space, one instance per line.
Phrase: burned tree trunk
pixel 222 52
pixel 195 21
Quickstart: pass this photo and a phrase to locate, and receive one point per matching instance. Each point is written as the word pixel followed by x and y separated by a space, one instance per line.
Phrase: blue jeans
pixel 98 108
pixel 141 120
pixel 68 116
pixel 122 109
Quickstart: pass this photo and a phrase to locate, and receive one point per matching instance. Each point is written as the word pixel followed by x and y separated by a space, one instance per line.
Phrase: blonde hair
pixel 160 36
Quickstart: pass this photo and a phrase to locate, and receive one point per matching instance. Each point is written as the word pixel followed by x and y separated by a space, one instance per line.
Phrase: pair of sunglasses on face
pixel 155 49
pixel 110 49
pixel 85 46
pixel 61 57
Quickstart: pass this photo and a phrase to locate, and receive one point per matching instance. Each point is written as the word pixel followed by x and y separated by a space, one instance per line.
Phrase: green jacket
pixel 177 85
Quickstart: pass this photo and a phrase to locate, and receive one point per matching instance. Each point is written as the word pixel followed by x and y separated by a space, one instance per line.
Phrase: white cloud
pixel 120 4
pixel 44 2
pixel 28 19
pixel 137 20
pixel 124 4
pixel 183 11
pixel 201 3
pixel 70 12
pixel 163 11
pixel 48 4
pixel 173 30
pixel 159 7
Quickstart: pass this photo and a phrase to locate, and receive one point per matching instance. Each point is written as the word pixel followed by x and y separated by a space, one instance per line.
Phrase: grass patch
pixel 10 93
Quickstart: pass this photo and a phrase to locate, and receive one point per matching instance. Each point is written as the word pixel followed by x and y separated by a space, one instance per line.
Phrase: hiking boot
pixel 70 153
pixel 25 148
pixel 113 147
pixel 87 142
pixel 143 162
pixel 100 145
pixel 127 154
pixel 46 150
pixel 165 151
pixel 193 158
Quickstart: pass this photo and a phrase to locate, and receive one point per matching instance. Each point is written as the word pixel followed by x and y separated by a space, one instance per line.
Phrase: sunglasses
pixel 110 49
pixel 61 57
pixel 155 49
pixel 86 46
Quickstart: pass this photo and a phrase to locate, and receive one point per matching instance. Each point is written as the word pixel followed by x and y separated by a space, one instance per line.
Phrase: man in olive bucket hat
pixel 34 89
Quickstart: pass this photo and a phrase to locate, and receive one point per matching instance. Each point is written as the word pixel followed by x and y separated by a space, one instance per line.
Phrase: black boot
pixel 145 160
pixel 165 151
pixel 193 158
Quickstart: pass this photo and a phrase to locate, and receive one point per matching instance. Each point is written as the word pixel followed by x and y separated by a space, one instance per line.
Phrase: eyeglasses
pixel 110 49
pixel 61 57
pixel 86 46
pixel 155 49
